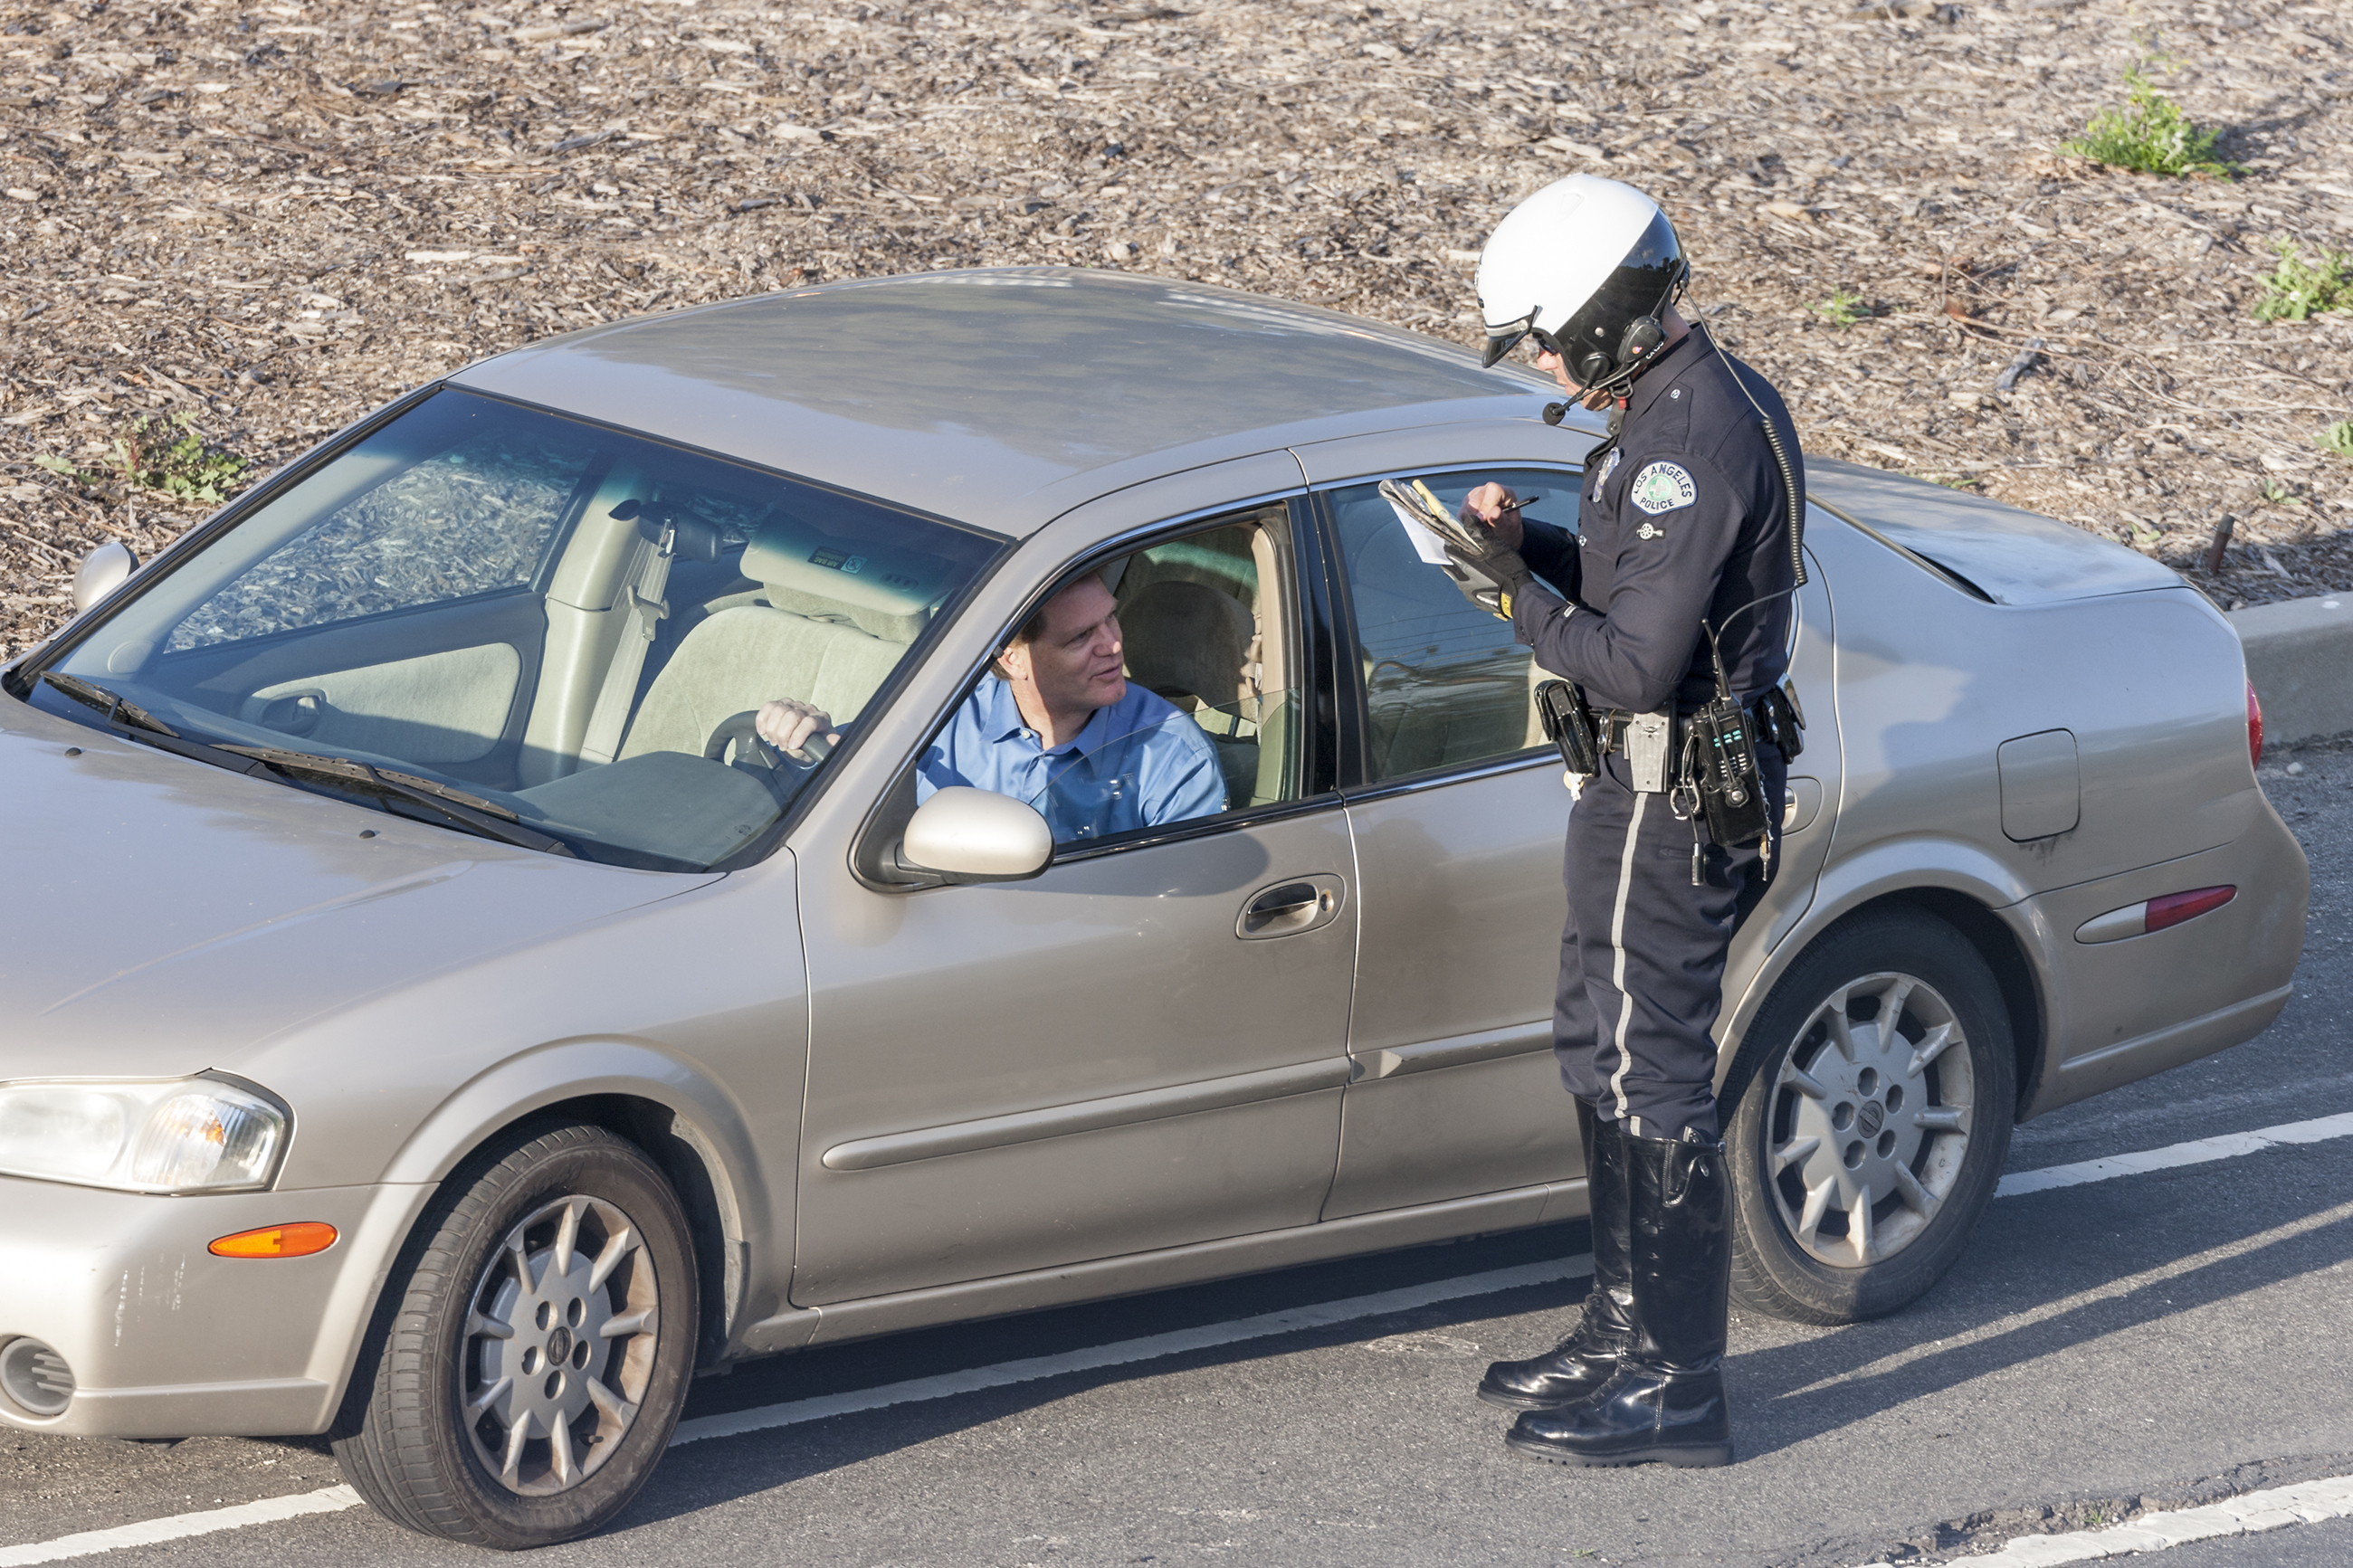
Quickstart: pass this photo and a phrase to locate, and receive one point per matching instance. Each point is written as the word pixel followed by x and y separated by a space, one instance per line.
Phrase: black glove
pixel 1490 575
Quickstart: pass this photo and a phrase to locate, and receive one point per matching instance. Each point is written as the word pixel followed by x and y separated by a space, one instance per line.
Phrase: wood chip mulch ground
pixel 272 217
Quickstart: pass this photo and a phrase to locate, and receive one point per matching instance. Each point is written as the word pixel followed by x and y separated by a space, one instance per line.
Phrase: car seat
pixel 838 618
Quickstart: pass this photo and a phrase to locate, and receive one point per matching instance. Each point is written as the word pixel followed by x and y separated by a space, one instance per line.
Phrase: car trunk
pixel 1999 552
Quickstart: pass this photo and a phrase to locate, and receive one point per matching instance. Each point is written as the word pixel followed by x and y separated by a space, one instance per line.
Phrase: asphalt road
pixel 2159 1339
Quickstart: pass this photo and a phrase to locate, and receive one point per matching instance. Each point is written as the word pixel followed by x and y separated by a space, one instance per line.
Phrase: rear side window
pixel 1445 686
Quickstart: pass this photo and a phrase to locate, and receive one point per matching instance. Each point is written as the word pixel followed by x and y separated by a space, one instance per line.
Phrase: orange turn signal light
pixel 300 1239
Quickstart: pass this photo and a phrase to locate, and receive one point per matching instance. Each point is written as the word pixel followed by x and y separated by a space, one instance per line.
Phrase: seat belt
pixel 641 599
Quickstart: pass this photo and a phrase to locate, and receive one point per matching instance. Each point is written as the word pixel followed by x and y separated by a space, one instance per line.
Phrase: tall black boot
pixel 1584 1362
pixel 1666 1400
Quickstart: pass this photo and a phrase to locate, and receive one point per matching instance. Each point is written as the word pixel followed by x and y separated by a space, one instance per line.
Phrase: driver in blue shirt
pixel 1056 723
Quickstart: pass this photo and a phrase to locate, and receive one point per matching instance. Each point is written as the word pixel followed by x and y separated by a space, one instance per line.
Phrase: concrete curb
pixel 2300 658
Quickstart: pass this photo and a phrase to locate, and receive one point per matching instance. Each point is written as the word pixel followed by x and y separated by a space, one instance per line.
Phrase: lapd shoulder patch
pixel 1663 487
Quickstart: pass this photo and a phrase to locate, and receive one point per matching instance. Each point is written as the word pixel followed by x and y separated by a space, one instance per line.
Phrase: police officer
pixel 1684 553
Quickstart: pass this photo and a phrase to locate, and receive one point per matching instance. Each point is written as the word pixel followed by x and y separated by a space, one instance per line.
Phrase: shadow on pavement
pixel 2125 1230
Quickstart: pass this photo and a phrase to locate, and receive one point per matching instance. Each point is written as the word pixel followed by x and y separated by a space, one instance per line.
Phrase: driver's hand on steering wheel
pixel 788 725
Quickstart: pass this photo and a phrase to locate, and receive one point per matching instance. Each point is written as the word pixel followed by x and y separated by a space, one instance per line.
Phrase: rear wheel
pixel 528 1378
pixel 1870 1107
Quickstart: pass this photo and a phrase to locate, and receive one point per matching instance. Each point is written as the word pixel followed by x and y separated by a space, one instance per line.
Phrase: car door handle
pixel 1289 907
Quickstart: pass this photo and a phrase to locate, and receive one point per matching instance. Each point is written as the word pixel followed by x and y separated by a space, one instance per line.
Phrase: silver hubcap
pixel 1869 1121
pixel 559 1346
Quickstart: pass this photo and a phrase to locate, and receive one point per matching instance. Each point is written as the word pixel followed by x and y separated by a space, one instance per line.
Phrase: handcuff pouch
pixel 1569 724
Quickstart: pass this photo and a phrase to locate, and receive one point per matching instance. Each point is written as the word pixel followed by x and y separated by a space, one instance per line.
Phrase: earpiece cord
pixel 1796 528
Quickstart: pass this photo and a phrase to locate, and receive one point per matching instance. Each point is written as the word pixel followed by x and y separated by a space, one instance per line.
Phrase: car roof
pixel 1002 397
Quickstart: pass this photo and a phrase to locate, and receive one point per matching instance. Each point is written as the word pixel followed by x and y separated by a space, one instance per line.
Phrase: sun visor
pixel 884 589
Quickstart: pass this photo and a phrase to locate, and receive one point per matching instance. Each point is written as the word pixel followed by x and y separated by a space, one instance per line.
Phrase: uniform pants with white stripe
pixel 1641 960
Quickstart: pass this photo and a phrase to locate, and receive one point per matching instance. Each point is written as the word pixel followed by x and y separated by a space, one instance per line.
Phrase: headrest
pixel 1186 639
pixel 692 537
pixel 883 587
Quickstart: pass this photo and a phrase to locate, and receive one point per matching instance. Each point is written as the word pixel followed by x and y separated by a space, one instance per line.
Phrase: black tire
pixel 1893 1168
pixel 407 1443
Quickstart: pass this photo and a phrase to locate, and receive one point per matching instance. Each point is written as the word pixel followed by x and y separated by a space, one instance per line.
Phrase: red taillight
pixel 2254 728
pixel 2175 908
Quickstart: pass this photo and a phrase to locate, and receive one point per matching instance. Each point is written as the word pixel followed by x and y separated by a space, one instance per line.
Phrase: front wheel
pixel 531 1372
pixel 1870 1107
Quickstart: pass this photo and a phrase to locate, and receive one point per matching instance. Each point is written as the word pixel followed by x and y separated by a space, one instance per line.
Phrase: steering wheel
pixel 739 734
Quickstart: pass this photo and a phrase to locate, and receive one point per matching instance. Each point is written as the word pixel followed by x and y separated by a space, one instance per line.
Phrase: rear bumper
pixel 167 1340
pixel 2118 1011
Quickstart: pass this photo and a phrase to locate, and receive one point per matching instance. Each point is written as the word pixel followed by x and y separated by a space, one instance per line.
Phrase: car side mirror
pixel 101 572
pixel 964 835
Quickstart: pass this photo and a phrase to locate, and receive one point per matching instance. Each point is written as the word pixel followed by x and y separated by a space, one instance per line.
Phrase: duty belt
pixel 1614 721
pixel 1613 732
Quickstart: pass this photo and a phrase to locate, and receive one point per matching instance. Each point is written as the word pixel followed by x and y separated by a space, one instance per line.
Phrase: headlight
pixel 184 1136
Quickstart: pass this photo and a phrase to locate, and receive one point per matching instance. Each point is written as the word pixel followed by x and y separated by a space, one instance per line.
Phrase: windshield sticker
pixel 840 559
pixel 1663 487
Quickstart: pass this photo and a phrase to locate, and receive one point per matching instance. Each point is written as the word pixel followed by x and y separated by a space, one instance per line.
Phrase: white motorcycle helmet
pixel 1587 267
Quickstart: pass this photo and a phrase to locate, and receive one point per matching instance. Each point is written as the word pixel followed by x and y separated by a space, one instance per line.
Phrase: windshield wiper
pixel 130 715
pixel 487 818
pixel 137 724
pixel 470 813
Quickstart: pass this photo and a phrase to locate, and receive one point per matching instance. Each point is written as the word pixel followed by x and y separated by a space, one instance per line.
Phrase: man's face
pixel 1074 659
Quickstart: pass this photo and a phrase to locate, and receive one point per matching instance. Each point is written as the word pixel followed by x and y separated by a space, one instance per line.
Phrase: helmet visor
pixel 1502 339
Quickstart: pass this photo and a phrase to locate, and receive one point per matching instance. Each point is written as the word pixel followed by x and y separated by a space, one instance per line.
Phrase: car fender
pixel 1888 868
pixel 561 1070
pixel 702 1117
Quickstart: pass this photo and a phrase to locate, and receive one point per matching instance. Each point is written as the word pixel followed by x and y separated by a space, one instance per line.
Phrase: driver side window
pixel 1152 688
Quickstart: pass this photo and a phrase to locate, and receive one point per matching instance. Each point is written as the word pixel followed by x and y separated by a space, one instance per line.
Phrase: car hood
pixel 170 917
pixel 2010 556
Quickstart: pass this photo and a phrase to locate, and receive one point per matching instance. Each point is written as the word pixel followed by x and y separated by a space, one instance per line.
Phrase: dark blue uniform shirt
pixel 1681 522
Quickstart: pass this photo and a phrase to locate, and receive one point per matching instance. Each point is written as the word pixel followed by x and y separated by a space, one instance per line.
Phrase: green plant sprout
pixel 2296 290
pixel 2150 133
pixel 1840 310
pixel 168 454
pixel 2337 438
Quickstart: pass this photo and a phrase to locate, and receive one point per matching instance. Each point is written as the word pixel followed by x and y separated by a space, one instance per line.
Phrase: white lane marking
pixel 1320 1316
pixel 179 1527
pixel 1150 1347
pixel 2107 1290
pixel 2248 1513
pixel 2198 1153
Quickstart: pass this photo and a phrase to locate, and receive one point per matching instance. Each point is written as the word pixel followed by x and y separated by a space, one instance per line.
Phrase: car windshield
pixel 559 626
